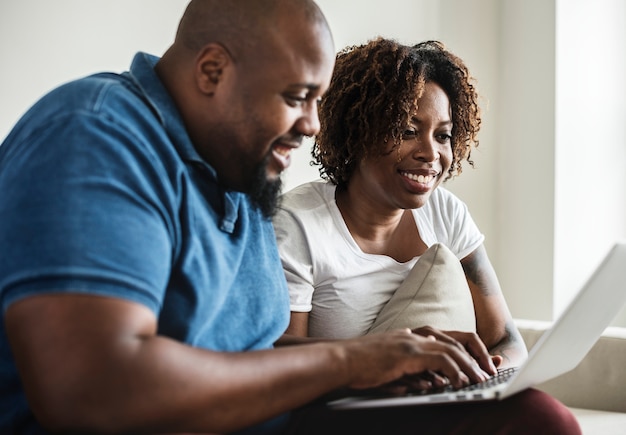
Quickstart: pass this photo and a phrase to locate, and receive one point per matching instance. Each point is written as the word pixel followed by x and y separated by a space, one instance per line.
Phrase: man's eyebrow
pixel 309 86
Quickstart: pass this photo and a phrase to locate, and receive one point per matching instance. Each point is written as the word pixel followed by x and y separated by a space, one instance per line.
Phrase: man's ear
pixel 211 62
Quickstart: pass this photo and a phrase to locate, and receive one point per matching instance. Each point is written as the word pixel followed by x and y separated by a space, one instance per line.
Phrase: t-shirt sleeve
pixel 296 260
pixel 451 223
pixel 86 214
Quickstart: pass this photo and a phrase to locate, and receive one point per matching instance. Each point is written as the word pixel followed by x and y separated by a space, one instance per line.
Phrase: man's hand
pixel 467 341
pixel 379 359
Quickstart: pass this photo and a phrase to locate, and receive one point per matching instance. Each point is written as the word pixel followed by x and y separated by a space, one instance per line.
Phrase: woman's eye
pixel 409 133
pixel 444 137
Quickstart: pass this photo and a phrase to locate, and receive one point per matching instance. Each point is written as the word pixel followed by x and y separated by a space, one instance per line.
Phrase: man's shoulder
pixel 118 94
pixel 82 99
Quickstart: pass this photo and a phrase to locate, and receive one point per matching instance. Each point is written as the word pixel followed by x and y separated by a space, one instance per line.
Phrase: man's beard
pixel 264 193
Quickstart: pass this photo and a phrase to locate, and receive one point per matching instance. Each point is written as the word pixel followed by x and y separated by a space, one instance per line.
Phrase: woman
pixel 396 122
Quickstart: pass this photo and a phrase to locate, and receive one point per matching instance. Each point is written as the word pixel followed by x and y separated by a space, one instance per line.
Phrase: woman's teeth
pixel 424 179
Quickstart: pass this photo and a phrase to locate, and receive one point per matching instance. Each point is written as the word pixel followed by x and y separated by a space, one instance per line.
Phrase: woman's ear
pixel 211 63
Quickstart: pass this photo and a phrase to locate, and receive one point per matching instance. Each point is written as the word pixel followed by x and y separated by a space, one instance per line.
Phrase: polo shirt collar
pixel 143 75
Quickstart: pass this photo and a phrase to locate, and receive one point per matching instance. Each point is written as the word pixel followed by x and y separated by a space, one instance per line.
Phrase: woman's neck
pixel 377 230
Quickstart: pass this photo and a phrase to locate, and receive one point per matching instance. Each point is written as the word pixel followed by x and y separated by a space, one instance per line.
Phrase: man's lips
pixel 282 154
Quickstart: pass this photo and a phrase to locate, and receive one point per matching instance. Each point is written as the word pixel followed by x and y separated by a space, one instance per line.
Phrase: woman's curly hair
pixel 373 95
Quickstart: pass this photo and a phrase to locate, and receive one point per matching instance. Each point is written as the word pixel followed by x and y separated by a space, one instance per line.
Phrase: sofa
pixel 596 389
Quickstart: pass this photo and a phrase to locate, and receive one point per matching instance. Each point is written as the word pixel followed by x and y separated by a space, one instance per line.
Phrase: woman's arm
pixel 297 331
pixel 299 324
pixel 494 322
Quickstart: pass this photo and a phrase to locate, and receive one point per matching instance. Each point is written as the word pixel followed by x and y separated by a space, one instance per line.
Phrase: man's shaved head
pixel 240 25
pixel 246 76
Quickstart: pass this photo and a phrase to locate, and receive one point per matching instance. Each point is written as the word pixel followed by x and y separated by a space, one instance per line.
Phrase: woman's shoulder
pixel 443 210
pixel 306 215
pixel 308 196
pixel 443 199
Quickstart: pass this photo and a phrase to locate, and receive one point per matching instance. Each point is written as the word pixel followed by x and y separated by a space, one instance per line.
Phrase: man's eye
pixel 295 100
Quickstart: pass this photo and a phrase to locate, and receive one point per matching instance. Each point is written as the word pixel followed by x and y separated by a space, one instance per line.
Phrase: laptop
pixel 558 350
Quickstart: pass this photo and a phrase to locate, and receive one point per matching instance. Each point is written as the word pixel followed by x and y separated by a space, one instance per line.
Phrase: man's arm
pixel 94 364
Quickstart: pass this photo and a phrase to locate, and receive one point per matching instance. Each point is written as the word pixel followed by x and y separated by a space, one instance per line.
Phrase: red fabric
pixel 529 412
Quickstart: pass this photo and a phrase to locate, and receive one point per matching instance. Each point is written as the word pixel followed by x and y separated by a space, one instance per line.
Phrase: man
pixel 142 291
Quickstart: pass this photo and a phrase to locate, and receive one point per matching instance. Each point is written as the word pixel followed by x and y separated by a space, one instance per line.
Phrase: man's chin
pixel 272 174
pixel 264 188
pixel 265 193
pixel 267 200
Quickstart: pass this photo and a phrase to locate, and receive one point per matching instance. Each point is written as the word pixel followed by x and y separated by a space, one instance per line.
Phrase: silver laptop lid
pixel 562 347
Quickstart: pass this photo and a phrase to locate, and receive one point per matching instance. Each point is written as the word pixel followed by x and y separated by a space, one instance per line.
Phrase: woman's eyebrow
pixel 445 123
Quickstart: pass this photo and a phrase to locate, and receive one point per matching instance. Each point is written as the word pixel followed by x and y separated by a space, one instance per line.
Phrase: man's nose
pixel 309 122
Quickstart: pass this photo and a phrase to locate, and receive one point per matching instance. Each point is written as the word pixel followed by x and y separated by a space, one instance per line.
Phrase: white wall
pixel 45 43
pixel 529 194
pixel 590 189
pixel 525 174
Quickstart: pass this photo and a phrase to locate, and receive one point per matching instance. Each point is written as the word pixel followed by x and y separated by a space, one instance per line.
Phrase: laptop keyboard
pixel 502 376
pixel 499 378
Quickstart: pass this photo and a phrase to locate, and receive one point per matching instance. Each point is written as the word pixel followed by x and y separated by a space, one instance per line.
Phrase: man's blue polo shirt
pixel 103 193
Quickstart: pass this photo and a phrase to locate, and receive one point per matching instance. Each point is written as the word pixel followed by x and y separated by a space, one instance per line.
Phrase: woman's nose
pixel 425 149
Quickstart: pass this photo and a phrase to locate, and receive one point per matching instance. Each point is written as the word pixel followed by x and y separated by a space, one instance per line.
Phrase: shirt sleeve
pixel 296 260
pixel 446 219
pixel 82 210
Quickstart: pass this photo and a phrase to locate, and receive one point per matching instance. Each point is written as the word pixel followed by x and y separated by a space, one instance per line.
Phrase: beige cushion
pixel 435 293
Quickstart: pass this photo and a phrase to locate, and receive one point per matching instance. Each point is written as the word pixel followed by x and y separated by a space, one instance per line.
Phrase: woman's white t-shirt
pixel 329 276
